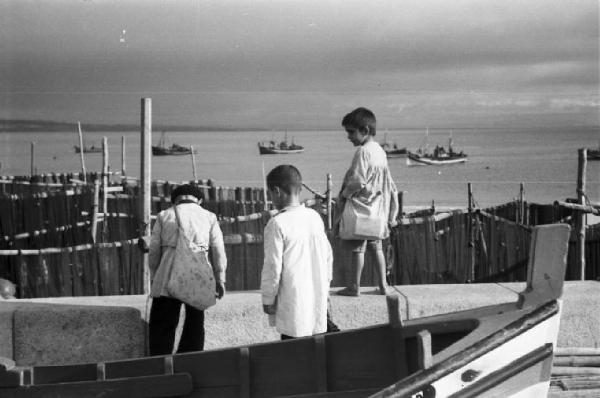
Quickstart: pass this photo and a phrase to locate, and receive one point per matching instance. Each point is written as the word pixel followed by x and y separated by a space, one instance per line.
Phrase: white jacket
pixel 200 225
pixel 297 271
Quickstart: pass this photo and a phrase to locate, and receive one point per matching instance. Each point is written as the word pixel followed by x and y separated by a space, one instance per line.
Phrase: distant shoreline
pixel 48 126
pixel 39 126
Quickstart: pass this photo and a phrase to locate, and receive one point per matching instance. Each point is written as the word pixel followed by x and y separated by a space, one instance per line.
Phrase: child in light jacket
pixel 297 268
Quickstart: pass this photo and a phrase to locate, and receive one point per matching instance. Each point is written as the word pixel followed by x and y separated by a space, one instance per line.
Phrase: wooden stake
pixel 81 157
pixel 95 210
pixel 193 162
pixel 470 233
pixel 581 217
pixel 123 146
pixel 32 158
pixel 521 219
pixel 104 175
pixel 145 180
pixel 328 195
pixel 264 178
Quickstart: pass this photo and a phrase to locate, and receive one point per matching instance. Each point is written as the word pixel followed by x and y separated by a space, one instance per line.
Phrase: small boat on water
pixel 503 350
pixel 392 150
pixel 162 149
pixel 88 149
pixel 438 157
pixel 279 148
pixel 593 153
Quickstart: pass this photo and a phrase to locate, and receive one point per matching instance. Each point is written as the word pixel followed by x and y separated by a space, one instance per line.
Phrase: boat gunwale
pixel 415 382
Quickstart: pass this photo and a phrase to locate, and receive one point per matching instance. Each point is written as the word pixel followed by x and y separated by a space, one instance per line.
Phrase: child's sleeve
pixel 271 271
pixel 357 176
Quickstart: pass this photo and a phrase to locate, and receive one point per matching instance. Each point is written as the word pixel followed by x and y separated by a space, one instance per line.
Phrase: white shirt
pixel 201 227
pixel 297 271
pixel 369 181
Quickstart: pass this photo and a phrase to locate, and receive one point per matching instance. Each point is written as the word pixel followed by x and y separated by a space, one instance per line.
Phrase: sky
pixel 302 64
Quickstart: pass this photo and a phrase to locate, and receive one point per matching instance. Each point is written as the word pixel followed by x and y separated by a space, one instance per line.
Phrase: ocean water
pixel 544 159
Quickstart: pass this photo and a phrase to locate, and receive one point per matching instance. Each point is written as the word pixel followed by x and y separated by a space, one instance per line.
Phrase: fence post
pixel 95 209
pixel 328 195
pixel 32 173
pixel 145 180
pixel 581 215
pixel 193 162
pixel 521 219
pixel 471 242
pixel 123 146
pixel 81 156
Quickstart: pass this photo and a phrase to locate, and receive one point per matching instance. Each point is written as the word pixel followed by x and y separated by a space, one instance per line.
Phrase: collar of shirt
pixel 291 207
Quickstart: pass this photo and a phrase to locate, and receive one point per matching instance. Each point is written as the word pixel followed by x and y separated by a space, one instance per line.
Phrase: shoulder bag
pixel 191 278
pixel 362 221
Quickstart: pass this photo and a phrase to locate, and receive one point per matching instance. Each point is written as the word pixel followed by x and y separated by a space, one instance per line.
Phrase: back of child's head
pixel 286 177
pixel 362 119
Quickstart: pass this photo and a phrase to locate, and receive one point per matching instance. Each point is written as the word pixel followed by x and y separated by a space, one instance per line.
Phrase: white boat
pixel 438 157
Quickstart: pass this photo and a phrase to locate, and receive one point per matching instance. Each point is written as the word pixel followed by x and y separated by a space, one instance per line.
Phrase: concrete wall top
pixel 238 318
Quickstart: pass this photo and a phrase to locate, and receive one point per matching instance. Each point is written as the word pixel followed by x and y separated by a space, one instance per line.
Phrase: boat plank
pixel 135 387
pixel 63 374
pixel 135 368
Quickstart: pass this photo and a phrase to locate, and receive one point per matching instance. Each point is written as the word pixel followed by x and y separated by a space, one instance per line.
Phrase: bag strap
pixel 179 226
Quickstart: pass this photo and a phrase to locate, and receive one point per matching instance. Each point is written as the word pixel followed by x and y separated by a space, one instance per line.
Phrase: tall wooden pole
pixel 32 158
pixel 95 210
pixel 81 157
pixel 581 216
pixel 328 195
pixel 123 156
pixel 266 205
pixel 521 219
pixel 105 169
pixel 193 162
pixel 470 230
pixel 145 180
pixel 104 175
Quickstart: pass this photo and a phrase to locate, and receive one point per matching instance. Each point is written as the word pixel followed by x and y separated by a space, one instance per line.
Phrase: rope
pixel 317 194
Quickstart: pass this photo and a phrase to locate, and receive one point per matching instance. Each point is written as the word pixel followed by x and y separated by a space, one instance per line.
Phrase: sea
pixel 545 160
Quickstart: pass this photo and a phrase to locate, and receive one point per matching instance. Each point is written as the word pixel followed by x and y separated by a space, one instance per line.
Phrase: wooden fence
pixel 46 244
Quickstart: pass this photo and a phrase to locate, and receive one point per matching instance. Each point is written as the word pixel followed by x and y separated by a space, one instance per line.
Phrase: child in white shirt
pixel 297 268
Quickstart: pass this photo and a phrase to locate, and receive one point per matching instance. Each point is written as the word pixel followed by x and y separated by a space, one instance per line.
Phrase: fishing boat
pixel 278 148
pixel 438 157
pixel 593 153
pixel 391 149
pixel 86 149
pixel 503 350
pixel 162 149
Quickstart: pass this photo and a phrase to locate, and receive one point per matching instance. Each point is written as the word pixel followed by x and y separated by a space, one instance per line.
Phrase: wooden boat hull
pixel 481 343
pixel 396 153
pixel 414 159
pixel 87 150
pixel 273 151
pixel 496 351
pixel 159 151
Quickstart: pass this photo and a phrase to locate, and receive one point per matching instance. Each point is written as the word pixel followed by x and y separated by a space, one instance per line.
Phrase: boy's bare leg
pixel 381 270
pixel 356 267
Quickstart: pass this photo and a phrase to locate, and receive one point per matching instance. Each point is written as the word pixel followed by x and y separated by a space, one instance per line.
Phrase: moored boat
pixel 87 149
pixel 279 148
pixel 175 149
pixel 438 157
pixel 392 150
pixel 503 350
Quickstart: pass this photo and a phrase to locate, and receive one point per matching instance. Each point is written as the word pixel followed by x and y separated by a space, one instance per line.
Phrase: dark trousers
pixel 164 317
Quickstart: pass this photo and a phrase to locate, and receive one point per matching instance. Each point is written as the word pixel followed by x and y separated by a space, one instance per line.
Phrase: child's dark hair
pixel 286 177
pixel 362 119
